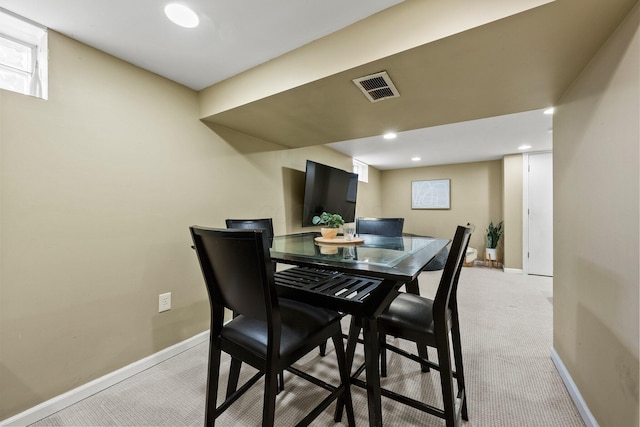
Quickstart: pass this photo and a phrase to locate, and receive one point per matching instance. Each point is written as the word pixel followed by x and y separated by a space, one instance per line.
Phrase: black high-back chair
pixel 269 333
pixel 389 227
pixel 428 323
pixel 265 224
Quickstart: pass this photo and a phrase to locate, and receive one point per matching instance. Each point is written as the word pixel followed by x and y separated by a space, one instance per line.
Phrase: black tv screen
pixel 328 189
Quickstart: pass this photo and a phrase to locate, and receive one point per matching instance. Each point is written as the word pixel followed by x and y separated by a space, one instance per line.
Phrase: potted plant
pixel 493 236
pixel 331 223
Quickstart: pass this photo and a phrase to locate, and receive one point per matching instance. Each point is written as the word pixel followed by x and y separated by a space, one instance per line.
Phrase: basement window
pixel 362 169
pixel 23 55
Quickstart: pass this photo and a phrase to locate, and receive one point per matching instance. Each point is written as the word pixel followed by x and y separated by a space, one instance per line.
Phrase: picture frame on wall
pixel 431 194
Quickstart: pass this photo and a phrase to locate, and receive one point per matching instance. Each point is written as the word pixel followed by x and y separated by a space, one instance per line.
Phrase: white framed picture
pixel 431 194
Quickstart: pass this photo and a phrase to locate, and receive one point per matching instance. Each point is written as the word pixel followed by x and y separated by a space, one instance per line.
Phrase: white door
pixel 541 214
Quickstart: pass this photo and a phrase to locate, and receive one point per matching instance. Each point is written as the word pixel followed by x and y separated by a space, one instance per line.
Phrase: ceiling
pixel 476 94
pixel 464 142
pixel 476 70
pixel 233 36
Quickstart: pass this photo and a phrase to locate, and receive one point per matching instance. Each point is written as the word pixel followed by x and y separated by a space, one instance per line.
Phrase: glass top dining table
pixel 395 258
pixel 360 278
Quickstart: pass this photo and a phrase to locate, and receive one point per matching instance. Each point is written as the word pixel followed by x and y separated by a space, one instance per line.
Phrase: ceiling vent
pixel 377 87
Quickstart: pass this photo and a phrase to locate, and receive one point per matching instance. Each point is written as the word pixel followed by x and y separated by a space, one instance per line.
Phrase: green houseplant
pixel 493 237
pixel 330 222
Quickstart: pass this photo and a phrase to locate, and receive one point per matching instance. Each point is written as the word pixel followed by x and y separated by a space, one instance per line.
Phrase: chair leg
pixel 457 354
pixel 446 376
pixel 280 382
pixel 234 374
pixel 422 352
pixel 270 391
pixel 213 375
pixel 383 356
pixel 413 287
pixel 344 380
pixel 323 348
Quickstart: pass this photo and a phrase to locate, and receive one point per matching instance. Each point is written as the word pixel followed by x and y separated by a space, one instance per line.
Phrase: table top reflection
pixel 397 258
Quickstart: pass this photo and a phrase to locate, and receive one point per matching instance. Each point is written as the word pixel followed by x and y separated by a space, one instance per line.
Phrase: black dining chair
pixel 429 323
pixel 265 224
pixel 269 333
pixel 389 227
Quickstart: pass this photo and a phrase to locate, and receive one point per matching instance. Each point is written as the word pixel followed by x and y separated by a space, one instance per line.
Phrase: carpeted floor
pixel 506 327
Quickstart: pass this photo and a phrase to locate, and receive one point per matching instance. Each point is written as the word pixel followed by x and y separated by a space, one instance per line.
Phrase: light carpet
pixel 506 328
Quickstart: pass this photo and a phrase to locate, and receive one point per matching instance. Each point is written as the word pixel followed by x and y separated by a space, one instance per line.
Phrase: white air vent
pixel 377 87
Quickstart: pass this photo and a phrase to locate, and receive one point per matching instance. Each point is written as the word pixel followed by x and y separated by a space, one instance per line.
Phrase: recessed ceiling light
pixel 181 15
pixel 524 147
pixel 415 159
pixel 548 111
pixel 389 135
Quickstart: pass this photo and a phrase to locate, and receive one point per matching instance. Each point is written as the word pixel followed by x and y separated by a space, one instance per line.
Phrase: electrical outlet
pixel 164 302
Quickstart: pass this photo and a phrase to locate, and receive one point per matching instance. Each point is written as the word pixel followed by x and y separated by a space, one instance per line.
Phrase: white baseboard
pixel 512 270
pixel 583 409
pixel 64 400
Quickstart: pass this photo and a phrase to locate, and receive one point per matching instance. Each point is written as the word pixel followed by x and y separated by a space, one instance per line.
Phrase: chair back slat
pixel 233 262
pixel 389 227
pixel 449 280
pixel 265 224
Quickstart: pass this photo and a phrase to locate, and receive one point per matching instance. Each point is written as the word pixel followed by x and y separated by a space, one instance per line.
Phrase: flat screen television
pixel 328 189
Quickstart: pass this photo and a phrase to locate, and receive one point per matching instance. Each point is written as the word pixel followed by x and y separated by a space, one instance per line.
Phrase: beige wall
pixel 512 198
pixel 596 225
pixel 476 197
pixel 98 186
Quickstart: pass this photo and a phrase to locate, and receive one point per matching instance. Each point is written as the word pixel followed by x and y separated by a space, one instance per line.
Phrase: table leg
pixel 371 355
pixel 354 332
pixel 412 287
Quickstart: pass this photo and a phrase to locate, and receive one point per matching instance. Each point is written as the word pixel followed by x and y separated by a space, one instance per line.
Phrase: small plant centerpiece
pixel 493 237
pixel 330 223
